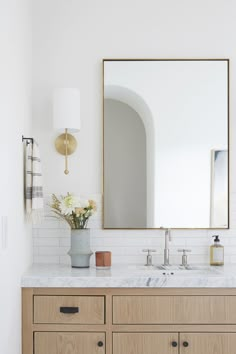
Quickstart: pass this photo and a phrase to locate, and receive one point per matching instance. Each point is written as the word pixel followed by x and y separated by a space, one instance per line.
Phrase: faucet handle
pixel 149 250
pixel 184 256
pixel 184 250
pixel 149 256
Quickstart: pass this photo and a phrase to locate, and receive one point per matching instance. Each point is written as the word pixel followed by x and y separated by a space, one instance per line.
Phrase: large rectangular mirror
pixel 166 146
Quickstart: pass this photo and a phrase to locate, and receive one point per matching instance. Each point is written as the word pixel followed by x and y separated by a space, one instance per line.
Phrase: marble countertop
pixel 129 276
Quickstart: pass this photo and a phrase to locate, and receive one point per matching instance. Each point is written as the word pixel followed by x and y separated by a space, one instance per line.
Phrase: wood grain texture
pixel 27 319
pixel 47 309
pixel 136 291
pixel 69 343
pixel 214 308
pixel 140 343
pixel 161 328
pixel 174 309
pixel 108 324
pixel 208 343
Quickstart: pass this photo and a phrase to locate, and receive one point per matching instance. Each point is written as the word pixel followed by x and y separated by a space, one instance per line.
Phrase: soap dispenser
pixel 216 252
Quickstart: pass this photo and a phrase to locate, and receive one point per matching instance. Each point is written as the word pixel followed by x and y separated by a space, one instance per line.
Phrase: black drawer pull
pixel 100 343
pixel 69 309
pixel 174 344
pixel 185 344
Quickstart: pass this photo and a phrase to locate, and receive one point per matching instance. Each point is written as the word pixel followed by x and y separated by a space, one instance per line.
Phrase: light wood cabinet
pixel 174 309
pixel 69 309
pixel 125 321
pixel 69 342
pixel 207 343
pixel 140 343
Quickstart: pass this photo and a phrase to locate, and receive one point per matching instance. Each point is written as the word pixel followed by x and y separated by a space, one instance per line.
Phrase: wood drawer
pixel 69 342
pixel 140 343
pixel 174 309
pixel 61 309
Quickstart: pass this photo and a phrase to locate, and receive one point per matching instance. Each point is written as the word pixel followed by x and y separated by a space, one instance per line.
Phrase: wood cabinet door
pixel 207 343
pixel 69 343
pixel 141 343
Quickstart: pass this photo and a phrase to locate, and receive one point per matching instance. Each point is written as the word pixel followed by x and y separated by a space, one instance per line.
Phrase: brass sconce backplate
pixel 61 141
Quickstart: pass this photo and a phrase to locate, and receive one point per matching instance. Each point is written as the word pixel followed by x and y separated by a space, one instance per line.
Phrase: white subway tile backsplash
pixel 51 241
pixel 46 259
pixel 189 233
pixel 230 241
pixel 131 259
pixel 178 241
pixel 35 251
pixel 197 241
pixel 35 232
pixel 52 251
pixel 223 233
pixel 64 259
pixel 230 250
pixel 49 224
pixel 64 242
pixel 45 233
pixel 232 259
pixel 45 241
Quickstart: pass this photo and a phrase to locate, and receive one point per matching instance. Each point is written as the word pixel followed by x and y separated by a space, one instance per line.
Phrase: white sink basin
pixel 175 270
pixel 187 268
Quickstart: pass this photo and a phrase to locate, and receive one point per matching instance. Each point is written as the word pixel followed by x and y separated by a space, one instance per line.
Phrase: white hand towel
pixel 33 183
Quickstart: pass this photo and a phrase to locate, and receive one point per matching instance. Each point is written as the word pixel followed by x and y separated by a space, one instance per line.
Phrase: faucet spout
pixel 166 249
pixel 167 237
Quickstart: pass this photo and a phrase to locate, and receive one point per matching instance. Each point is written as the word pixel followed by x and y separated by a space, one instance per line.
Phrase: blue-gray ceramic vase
pixel 80 251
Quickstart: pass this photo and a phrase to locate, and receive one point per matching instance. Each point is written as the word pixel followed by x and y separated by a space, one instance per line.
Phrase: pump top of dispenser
pixel 216 239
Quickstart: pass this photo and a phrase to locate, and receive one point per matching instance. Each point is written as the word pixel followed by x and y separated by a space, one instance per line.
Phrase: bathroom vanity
pixel 129 310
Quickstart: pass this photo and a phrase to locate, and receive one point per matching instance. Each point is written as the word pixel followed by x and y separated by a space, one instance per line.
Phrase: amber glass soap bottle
pixel 216 252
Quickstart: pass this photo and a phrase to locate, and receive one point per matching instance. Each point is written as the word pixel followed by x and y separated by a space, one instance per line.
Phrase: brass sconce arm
pixel 66 145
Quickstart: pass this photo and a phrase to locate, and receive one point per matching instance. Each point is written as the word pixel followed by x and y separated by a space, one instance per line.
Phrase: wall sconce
pixel 66 117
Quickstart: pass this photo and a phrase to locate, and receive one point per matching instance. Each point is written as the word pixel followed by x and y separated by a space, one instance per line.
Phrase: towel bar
pixel 28 140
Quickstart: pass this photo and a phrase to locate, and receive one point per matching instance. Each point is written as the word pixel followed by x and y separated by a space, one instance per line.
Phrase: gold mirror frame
pixel 228 137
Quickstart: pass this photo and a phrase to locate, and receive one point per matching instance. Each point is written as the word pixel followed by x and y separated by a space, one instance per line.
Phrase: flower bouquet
pixel 76 212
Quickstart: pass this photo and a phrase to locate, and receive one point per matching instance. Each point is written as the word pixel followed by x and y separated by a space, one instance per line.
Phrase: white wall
pixel 15 113
pixel 70 40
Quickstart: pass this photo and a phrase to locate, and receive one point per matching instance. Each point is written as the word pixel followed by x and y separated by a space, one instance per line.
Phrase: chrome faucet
pixel 166 249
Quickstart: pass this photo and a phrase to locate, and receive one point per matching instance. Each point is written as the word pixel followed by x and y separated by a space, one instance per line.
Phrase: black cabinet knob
pixel 100 343
pixel 174 344
pixel 185 344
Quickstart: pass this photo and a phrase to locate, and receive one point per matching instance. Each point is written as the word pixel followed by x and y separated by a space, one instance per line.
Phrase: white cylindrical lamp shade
pixel 66 109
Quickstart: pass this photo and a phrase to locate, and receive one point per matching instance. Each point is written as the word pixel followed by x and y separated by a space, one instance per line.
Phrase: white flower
pixel 68 204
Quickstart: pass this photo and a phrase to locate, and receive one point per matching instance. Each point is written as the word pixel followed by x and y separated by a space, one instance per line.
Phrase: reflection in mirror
pixel 166 144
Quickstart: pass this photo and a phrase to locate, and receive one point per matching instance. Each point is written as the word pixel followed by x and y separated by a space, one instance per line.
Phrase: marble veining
pixel 127 276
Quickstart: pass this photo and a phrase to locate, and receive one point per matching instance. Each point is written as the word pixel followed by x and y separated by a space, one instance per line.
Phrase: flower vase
pixel 80 251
